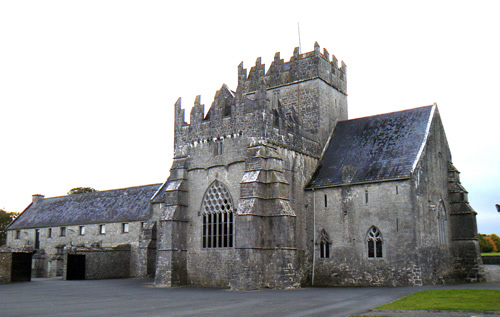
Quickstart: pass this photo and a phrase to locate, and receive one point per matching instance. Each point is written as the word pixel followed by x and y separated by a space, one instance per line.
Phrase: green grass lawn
pixel 449 299
pixel 490 253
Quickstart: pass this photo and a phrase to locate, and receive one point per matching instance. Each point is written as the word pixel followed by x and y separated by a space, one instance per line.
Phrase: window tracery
pixel 217 212
pixel 324 245
pixel 374 241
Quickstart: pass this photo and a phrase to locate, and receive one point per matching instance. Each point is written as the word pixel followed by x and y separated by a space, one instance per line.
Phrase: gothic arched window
pixel 324 245
pixel 374 240
pixel 217 212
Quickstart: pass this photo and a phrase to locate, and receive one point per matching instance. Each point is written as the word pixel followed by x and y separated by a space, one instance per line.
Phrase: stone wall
pixel 491 259
pixel 347 214
pixel 5 267
pixel 48 258
pixel 15 266
pixel 104 263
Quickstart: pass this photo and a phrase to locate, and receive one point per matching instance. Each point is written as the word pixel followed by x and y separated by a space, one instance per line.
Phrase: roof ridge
pixel 426 137
pixel 387 113
pixel 104 191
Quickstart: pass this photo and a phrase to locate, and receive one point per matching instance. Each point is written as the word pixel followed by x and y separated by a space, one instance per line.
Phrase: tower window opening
pixel 227 109
pixel 218 149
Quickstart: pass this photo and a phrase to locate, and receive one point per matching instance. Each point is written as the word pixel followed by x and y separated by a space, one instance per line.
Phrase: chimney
pixel 37 198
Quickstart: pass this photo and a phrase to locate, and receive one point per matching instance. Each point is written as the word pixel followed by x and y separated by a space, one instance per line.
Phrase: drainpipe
pixel 314 236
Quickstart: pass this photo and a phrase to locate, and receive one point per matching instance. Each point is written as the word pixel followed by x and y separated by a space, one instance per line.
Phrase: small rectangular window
pixel 49 233
pixel 218 150
pixel 102 229
pixel 366 196
pixel 63 232
pixel 18 234
pixel 326 201
pixel 125 227
pixel 81 230
pixel 37 239
pixel 143 223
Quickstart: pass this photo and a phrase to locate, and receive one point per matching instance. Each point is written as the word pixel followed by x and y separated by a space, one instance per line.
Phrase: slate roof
pixel 118 205
pixel 376 148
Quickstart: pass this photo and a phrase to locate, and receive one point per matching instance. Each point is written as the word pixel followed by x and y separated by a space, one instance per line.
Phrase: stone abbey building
pixel 274 187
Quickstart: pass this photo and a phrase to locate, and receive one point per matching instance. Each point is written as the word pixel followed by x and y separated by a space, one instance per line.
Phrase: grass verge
pixel 490 254
pixel 449 299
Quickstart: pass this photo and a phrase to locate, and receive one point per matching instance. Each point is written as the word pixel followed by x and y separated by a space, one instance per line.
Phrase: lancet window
pixel 442 223
pixel 324 245
pixel 374 241
pixel 217 212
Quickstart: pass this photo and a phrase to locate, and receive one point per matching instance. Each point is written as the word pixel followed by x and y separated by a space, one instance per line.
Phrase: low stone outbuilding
pixel 54 227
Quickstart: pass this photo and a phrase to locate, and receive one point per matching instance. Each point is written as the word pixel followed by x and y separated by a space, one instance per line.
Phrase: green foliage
pixel 5 219
pixel 496 240
pixel 484 244
pixel 449 299
pixel 81 190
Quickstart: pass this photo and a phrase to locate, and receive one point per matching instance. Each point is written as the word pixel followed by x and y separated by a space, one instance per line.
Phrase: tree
pixel 495 241
pixel 5 219
pixel 484 244
pixel 81 190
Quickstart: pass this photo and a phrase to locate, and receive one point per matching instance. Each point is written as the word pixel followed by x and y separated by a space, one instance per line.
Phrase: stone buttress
pixel 265 239
pixel 171 203
pixel 464 241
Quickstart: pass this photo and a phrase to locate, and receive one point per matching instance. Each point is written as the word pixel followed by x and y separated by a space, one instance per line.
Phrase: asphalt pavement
pixel 138 297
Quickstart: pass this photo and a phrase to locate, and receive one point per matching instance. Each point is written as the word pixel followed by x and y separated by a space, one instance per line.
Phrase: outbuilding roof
pixel 118 205
pixel 376 148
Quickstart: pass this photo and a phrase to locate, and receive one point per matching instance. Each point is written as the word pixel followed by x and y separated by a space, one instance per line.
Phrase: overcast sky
pixel 87 88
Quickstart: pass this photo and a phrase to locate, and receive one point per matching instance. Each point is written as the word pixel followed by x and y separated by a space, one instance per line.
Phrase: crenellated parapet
pixel 294 105
pixel 300 67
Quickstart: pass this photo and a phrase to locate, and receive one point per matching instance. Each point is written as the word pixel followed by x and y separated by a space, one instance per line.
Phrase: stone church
pixel 274 187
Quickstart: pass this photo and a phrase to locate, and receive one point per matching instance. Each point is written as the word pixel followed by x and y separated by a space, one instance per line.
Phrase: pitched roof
pixel 376 148
pixel 126 204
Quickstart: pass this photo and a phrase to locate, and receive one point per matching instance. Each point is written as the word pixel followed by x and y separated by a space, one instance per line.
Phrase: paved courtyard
pixel 136 297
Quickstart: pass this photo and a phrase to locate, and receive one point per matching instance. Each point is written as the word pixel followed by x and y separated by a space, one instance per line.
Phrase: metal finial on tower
pixel 298 28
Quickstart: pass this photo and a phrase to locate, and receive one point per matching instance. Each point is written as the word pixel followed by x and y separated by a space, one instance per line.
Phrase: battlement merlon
pixel 301 67
pixel 179 116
